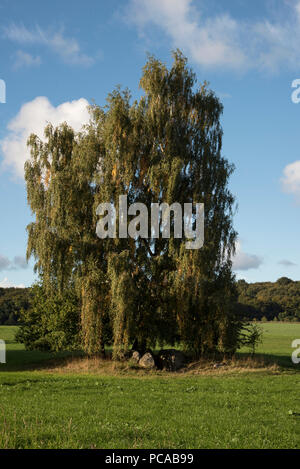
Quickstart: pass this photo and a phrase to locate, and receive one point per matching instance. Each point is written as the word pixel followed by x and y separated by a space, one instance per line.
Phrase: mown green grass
pixel 260 409
pixel 17 358
pixel 277 341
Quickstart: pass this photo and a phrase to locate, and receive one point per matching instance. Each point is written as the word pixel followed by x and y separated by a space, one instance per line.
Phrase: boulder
pixel 147 361
pixel 219 365
pixel 135 356
pixel 170 360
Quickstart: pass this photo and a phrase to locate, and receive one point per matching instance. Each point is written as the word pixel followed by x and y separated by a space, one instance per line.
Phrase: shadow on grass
pixel 283 361
pixel 22 360
pixel 29 360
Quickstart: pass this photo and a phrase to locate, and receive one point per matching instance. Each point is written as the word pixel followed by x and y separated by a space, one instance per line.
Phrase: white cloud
pixel 23 59
pixel 243 260
pixel 209 42
pixel 221 40
pixel 291 179
pixel 32 118
pixel 67 48
pixel 223 95
pixel 287 263
pixel 5 283
pixel 4 263
pixel 19 262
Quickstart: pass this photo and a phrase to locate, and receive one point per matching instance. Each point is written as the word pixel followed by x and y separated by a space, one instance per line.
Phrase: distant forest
pixel 12 301
pixel 269 301
pixel 261 301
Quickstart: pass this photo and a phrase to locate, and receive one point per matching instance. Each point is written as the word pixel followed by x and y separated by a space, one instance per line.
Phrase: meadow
pixel 48 402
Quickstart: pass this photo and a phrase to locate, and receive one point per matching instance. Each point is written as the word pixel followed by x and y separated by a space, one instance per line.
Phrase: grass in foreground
pixel 42 409
pixel 249 411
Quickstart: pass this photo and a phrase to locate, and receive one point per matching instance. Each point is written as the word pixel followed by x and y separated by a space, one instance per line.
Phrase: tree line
pixel 269 301
pixel 12 301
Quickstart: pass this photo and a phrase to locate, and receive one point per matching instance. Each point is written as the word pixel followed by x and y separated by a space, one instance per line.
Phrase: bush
pixel 51 323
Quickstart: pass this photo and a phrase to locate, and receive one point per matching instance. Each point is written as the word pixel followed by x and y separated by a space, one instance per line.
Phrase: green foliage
pixel 252 337
pixel 284 281
pixel 166 147
pixel 52 322
pixel 12 301
pixel 270 300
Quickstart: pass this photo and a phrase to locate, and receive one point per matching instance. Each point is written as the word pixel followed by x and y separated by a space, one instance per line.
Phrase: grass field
pixel 44 407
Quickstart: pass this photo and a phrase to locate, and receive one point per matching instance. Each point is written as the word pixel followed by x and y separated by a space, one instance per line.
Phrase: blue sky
pixel 57 56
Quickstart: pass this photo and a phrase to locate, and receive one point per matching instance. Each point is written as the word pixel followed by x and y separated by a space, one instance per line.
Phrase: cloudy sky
pixel 58 56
